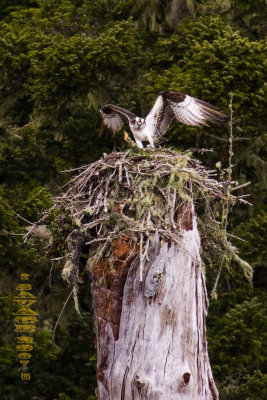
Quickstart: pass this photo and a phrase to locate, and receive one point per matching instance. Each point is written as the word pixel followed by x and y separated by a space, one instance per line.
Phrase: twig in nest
pixel 240 186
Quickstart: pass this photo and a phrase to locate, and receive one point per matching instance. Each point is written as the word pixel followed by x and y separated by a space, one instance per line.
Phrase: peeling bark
pixel 151 339
pixel 108 286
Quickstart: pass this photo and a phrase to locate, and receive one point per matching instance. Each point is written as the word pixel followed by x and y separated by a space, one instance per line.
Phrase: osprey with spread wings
pixel 168 105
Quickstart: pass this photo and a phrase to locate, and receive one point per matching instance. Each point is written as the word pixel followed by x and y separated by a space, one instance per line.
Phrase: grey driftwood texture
pixel 161 349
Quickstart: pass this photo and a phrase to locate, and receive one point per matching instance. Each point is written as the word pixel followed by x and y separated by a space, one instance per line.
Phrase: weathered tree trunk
pixel 150 324
pixel 180 9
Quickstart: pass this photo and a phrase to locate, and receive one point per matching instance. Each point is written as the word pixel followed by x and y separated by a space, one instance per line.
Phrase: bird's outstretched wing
pixel 159 117
pixel 184 108
pixel 114 117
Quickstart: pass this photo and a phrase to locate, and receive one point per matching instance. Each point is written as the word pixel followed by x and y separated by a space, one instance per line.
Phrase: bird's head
pixel 138 123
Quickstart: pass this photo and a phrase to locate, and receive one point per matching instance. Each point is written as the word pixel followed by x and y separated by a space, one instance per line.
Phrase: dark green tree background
pixel 60 61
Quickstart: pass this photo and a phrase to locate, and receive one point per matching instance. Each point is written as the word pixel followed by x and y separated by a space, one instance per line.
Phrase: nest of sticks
pixel 137 195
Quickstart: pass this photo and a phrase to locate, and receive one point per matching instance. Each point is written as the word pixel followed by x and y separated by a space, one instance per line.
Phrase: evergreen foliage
pixel 60 61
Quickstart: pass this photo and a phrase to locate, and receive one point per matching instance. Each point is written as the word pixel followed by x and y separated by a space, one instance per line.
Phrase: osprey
pixel 168 105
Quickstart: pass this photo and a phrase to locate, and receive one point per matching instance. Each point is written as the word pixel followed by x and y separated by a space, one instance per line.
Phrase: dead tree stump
pixel 151 340
pixel 137 219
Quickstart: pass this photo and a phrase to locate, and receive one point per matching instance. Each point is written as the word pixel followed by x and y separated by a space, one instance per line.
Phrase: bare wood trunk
pixel 151 340
pixel 180 9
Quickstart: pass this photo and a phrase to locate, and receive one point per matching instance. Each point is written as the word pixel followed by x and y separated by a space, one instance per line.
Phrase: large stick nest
pixel 136 196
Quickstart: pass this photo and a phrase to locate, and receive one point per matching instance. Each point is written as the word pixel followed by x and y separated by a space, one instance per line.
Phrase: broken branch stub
pixel 137 220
